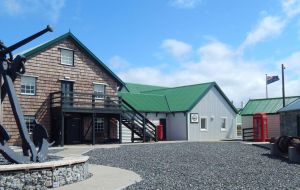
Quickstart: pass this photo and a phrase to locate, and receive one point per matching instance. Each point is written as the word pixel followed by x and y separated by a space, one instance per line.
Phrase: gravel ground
pixel 189 165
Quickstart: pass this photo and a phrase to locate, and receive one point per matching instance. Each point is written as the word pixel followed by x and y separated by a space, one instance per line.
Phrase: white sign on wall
pixel 194 118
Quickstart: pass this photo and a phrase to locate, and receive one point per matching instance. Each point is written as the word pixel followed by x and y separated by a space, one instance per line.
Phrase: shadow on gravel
pixel 283 159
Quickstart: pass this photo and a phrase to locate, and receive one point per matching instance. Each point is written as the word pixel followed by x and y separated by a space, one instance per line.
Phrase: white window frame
pixel 99 95
pixel 206 123
pixel 65 58
pixel 222 119
pixel 28 84
pixel 29 119
pixel 99 124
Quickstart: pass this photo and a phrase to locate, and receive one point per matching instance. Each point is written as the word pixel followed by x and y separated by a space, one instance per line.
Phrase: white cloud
pixel 291 7
pixel 238 78
pixel 48 8
pixel 178 49
pixel 118 62
pixel 185 4
pixel 12 6
pixel 269 26
pixel 292 65
pixel 215 51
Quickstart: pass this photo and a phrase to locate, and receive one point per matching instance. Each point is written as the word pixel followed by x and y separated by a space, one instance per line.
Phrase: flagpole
pixel 283 90
pixel 266 87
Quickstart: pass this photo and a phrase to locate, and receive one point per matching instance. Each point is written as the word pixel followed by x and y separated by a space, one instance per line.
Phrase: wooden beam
pixel 93 129
pixel 62 128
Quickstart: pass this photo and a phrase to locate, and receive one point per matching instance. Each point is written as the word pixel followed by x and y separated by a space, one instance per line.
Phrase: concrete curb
pixel 106 178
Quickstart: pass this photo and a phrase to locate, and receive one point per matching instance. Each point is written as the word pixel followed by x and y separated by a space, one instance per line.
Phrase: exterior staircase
pixel 138 124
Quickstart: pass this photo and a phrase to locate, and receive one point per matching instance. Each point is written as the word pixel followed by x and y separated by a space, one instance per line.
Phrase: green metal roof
pixel 270 105
pixel 177 99
pixel 183 98
pixel 33 51
pixel 138 88
pixel 146 103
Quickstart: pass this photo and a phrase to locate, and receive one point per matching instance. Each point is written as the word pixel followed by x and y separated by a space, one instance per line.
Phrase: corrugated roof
pixel 146 103
pixel 270 105
pixel 177 99
pixel 293 106
pixel 138 88
pixel 33 51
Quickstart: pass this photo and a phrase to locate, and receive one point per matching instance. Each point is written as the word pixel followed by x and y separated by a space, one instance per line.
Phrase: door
pixel 67 93
pixel 164 123
pixel 73 130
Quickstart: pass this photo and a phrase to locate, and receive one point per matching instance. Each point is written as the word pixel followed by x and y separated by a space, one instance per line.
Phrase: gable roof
pixel 293 106
pixel 270 105
pixel 138 88
pixel 33 51
pixel 177 99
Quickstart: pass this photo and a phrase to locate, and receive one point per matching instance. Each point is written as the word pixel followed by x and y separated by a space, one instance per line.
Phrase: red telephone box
pixel 160 132
pixel 260 127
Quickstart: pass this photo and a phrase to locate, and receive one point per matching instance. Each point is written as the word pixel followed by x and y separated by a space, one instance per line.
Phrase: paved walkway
pixel 104 177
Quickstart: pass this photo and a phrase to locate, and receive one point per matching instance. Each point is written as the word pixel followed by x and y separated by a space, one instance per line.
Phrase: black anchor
pixel 10 68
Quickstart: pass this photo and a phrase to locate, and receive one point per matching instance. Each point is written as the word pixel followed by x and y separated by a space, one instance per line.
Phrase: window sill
pixel 25 94
pixel 67 65
pixel 204 130
pixel 99 98
pixel 223 129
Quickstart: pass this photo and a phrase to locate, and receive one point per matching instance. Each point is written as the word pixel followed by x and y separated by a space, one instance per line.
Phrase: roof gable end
pixel 38 49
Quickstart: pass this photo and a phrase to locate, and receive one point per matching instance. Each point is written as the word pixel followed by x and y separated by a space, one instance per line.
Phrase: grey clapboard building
pixel 199 112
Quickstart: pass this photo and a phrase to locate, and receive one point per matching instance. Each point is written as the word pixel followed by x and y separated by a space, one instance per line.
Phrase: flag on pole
pixel 271 79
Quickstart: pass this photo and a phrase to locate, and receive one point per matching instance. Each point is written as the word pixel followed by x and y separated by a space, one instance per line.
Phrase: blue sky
pixel 175 42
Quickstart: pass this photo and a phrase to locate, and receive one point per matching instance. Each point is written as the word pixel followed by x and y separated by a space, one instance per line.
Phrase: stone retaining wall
pixel 43 178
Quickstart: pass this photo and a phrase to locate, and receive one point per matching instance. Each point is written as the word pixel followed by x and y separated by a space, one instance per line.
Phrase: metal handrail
pixel 133 113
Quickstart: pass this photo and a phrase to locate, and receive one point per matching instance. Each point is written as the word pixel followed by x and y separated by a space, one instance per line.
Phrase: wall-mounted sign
pixel 194 118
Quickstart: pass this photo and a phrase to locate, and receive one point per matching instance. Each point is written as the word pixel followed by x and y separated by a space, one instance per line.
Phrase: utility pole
pixel 283 91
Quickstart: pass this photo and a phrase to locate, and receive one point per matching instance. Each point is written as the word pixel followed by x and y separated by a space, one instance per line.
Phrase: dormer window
pixel 67 57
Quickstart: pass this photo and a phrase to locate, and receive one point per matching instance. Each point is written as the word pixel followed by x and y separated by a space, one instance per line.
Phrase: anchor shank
pixel 18 114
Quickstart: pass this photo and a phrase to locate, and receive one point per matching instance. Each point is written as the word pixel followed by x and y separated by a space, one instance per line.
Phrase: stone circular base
pixel 44 175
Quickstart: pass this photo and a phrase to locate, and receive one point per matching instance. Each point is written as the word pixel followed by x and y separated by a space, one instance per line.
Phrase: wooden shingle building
pixel 70 92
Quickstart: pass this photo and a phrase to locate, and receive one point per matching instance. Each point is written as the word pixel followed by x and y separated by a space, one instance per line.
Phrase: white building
pixel 200 112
